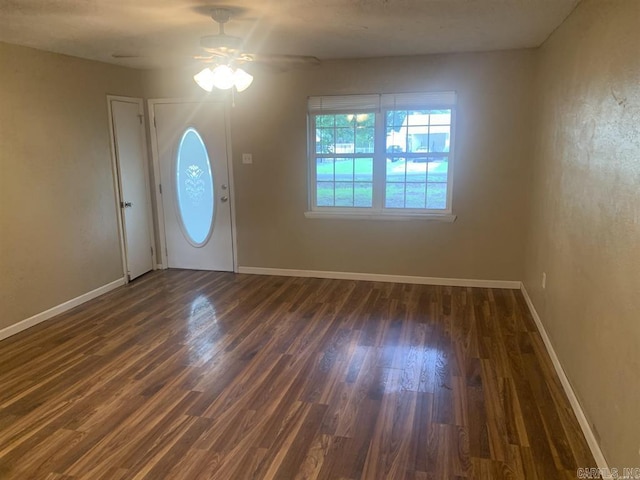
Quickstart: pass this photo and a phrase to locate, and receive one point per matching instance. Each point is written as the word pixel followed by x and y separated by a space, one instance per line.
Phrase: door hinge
pixel 160 188
pixel 155 124
pixel 166 251
pixel 151 251
pixel 140 118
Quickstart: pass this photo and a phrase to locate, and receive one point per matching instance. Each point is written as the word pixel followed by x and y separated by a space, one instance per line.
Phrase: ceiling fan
pixel 227 55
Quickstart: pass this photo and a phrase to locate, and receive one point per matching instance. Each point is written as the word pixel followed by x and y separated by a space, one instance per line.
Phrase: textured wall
pixel 585 230
pixel 58 226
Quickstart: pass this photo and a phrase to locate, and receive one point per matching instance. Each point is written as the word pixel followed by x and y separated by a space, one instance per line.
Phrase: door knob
pixel 224 198
pixel 126 204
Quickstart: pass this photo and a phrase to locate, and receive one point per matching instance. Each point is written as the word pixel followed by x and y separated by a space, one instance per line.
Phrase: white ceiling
pixel 166 32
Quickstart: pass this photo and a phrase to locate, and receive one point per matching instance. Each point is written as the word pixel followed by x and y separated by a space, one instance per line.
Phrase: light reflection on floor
pixel 203 330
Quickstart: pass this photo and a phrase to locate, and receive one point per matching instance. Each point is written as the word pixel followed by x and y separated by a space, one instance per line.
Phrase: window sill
pixel 432 217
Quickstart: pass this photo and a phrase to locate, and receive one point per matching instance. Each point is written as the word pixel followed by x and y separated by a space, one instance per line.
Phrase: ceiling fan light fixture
pixel 205 79
pixel 226 52
pixel 242 79
pixel 223 77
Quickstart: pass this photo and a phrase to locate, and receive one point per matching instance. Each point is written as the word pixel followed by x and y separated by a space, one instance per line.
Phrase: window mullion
pixel 353 161
pixel 312 174
pixel 379 161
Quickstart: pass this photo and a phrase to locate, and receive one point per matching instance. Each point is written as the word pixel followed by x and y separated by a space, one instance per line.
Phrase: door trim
pixel 151 103
pixel 117 180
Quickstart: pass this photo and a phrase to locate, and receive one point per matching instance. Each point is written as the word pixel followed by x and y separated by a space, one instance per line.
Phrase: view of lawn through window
pixel 417 162
pixel 412 172
pixel 344 177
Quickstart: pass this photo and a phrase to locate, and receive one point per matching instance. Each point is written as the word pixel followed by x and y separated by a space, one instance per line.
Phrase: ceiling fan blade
pixel 224 56
pixel 265 67
pixel 284 59
pixel 228 49
pixel 208 58
pixel 126 55
pixel 222 52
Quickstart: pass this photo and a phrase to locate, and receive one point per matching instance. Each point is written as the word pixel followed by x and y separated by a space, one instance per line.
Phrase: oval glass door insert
pixel 194 188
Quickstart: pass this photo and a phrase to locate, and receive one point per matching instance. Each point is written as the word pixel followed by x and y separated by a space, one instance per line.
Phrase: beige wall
pixel 490 173
pixel 585 219
pixel 58 227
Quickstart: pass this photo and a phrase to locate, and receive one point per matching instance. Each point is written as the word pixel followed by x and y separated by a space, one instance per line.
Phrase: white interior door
pixel 129 142
pixel 194 177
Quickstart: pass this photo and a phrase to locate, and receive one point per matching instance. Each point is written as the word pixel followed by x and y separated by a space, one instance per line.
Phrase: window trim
pixel 367 215
pixel 335 105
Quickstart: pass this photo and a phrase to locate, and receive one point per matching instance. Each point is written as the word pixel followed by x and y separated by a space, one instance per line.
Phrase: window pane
pixel 325 121
pixel 437 195
pixel 440 117
pixel 345 120
pixel 418 139
pixel 416 195
pixel 344 194
pixel 394 197
pixel 396 132
pixel 194 188
pixel 439 138
pixel 396 141
pixel 417 170
pixel 366 119
pixel 364 169
pixel 364 140
pixel 396 170
pixel 396 118
pixel 324 169
pixel 344 169
pixel 344 140
pixel 418 131
pixel 418 117
pixel 363 194
pixel 325 140
pixel 438 170
pixel 324 194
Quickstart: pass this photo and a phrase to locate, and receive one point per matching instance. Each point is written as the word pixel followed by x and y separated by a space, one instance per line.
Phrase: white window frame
pixel 379 104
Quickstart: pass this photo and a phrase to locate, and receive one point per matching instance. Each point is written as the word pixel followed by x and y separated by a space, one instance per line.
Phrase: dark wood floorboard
pixel 205 375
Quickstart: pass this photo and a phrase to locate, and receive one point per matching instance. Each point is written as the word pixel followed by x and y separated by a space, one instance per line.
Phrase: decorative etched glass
pixel 194 188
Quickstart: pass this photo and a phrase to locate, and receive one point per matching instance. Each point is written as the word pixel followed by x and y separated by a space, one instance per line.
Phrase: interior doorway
pixel 131 174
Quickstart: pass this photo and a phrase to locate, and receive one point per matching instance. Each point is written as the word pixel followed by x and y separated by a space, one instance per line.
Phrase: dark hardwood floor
pixel 204 375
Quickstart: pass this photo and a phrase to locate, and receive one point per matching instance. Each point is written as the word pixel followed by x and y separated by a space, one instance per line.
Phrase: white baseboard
pixel 376 277
pixel 58 309
pixel 568 389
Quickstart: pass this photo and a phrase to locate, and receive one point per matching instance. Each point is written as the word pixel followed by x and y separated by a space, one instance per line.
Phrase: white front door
pixel 194 177
pixel 129 143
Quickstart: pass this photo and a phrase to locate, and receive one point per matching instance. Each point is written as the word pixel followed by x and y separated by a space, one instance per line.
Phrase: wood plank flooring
pixel 205 375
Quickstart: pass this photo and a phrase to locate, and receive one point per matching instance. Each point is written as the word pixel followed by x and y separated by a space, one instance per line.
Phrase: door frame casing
pixel 153 136
pixel 117 181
